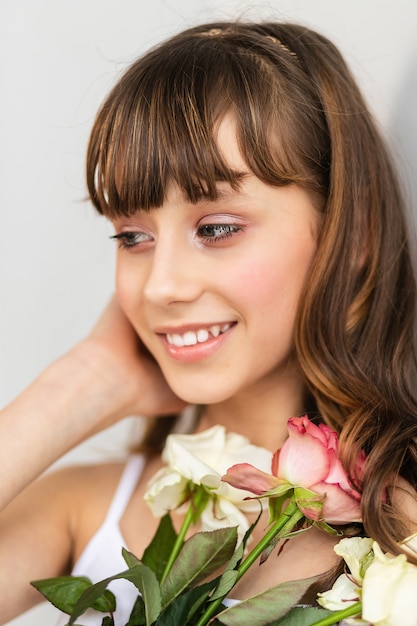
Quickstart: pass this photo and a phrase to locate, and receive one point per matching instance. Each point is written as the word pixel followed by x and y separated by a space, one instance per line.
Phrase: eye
pixel 130 239
pixel 217 232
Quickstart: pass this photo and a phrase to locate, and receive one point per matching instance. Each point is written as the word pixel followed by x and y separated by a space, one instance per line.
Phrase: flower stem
pixel 283 525
pixel 197 499
pixel 338 616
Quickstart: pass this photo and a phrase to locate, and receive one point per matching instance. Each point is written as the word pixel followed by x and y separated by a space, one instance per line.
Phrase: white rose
pixel 202 459
pixel 389 593
pixel 344 593
pixel 166 491
pixel 357 553
pixel 220 513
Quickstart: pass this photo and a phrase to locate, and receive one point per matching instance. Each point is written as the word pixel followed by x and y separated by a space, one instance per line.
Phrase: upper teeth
pixel 191 337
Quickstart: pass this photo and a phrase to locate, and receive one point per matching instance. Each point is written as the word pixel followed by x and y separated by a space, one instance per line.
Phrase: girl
pixel 263 271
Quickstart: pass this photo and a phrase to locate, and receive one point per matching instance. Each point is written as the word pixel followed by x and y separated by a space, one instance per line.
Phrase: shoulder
pixel 83 494
pixel 78 480
pixel 83 487
pixel 48 524
pixel 72 492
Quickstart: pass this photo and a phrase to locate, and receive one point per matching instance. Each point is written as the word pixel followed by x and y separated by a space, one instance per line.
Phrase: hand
pixel 106 377
pixel 114 350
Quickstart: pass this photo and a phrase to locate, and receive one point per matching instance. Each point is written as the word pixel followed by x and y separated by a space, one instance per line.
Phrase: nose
pixel 173 274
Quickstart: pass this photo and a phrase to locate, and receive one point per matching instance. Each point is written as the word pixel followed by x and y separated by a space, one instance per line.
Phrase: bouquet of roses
pixel 205 474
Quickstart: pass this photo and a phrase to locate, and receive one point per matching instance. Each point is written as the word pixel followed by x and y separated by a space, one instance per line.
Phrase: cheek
pixel 127 289
pixel 272 283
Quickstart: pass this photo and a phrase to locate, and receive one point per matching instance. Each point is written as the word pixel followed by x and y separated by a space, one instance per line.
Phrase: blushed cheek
pixel 273 286
pixel 126 293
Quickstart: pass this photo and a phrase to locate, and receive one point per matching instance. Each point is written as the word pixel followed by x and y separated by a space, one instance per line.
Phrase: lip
pixel 199 351
pixel 183 328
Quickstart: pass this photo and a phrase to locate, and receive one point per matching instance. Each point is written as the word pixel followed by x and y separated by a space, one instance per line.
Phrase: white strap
pixel 128 481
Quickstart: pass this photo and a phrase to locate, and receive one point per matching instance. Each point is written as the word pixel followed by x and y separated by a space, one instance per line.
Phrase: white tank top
pixel 102 555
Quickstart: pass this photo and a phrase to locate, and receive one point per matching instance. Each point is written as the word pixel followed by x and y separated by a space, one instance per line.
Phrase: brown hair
pixel 301 119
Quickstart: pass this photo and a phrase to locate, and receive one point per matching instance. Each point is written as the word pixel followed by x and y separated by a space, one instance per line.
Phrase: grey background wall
pixel 58 58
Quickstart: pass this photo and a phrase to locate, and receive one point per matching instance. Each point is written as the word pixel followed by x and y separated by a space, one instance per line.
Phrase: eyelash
pixel 228 231
pixel 129 239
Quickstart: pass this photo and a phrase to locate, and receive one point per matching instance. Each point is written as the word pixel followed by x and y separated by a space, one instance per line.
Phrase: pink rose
pixel 308 459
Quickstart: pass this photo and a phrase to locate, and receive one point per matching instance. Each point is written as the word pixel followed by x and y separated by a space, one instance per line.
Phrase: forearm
pixel 70 401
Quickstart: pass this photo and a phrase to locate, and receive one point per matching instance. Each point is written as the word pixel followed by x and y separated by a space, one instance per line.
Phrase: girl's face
pixel 212 288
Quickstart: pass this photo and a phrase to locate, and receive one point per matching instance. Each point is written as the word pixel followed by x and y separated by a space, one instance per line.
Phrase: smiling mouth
pixel 193 337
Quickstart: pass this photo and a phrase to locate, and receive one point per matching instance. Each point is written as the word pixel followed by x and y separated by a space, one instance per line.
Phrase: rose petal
pixel 332 441
pixel 238 449
pixel 344 593
pixel 303 460
pixel 305 427
pixel 388 591
pixel 203 457
pixel 354 551
pixel 338 476
pixel 165 491
pixel 339 507
pixel 220 513
pixel 196 456
pixel 275 462
pixel 246 476
pixel 207 446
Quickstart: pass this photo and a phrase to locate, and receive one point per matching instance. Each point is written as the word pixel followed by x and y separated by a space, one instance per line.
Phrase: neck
pixel 261 415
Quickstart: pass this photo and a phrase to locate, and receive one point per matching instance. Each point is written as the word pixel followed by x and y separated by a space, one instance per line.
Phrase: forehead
pixel 227 143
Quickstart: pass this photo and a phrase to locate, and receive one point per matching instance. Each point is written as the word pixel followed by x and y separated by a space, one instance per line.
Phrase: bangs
pixel 158 127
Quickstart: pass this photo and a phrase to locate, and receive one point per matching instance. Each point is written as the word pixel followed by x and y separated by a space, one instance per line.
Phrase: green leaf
pixel 137 615
pixel 130 559
pixel 279 491
pixel 226 584
pixel 203 591
pixel 107 621
pixel 200 556
pixel 65 591
pixel 267 607
pixel 183 608
pixel 328 529
pixel 157 553
pixel 141 576
pixel 241 548
pixel 228 578
pixel 307 499
pixel 302 616
pixel 276 505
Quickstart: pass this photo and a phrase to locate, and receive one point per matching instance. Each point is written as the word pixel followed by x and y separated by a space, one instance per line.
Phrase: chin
pixel 191 394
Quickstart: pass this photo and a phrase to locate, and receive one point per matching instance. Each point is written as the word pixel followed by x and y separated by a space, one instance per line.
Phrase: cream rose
pixel 202 459
pixel 389 592
pixel 357 553
pixel 345 592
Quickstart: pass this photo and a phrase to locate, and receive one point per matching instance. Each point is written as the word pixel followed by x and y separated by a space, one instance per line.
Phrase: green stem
pixel 283 525
pixel 197 499
pixel 337 616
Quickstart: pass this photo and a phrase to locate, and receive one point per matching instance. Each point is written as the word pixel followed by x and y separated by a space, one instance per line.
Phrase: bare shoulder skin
pixel 42 530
